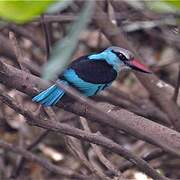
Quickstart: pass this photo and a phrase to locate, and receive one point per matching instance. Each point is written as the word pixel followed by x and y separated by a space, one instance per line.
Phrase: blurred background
pixel 153 27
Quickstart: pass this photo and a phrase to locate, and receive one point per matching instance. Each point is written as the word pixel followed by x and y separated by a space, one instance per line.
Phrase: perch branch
pixel 137 126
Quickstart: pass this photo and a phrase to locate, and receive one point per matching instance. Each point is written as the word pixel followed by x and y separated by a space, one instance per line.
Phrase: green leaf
pixel 175 3
pixel 21 11
pixel 164 5
pixel 64 49
pixel 59 6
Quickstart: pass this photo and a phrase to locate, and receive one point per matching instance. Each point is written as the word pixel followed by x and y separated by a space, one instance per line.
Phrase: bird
pixel 91 74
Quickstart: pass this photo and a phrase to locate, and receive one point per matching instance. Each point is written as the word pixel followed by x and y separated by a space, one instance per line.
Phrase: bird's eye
pixel 122 57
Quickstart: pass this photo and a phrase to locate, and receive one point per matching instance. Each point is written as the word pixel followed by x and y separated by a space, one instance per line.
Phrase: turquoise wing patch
pixel 88 89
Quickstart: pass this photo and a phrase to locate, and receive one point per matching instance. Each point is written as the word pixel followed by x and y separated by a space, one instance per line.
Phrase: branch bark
pixel 93 138
pixel 22 160
pixel 99 153
pixel 121 120
pixel 42 161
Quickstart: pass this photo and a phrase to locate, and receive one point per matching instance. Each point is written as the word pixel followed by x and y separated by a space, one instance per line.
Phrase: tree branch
pixel 176 90
pixel 22 161
pixel 93 138
pixel 41 161
pixel 99 153
pixel 121 120
pixel 151 156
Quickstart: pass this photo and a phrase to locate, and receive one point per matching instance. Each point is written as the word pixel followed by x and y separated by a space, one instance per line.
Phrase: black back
pixel 96 71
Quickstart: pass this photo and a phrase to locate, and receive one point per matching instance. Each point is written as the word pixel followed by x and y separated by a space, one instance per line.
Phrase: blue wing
pixel 87 88
pixel 94 71
pixel 89 77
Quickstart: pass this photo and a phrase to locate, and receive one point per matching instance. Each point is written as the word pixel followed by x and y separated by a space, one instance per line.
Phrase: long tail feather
pixel 50 96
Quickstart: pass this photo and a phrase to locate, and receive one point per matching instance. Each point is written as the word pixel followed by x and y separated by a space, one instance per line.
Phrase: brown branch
pixel 22 161
pixel 97 166
pixel 60 18
pixel 99 153
pixel 47 36
pixel 151 156
pixel 93 138
pixel 17 51
pixel 6 48
pixel 75 147
pixel 121 120
pixel 82 99
pixel 27 33
pixel 176 90
pixel 41 161
pixel 160 95
pixel 142 108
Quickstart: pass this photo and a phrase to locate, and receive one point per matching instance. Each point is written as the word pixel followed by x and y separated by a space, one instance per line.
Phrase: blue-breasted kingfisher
pixel 91 74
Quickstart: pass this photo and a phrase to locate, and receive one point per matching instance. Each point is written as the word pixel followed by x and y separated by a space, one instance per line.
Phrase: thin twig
pixel 176 89
pixel 75 147
pixel 22 161
pixel 41 161
pixel 149 157
pixel 18 52
pixel 28 33
pixel 47 36
pixel 97 166
pixel 98 151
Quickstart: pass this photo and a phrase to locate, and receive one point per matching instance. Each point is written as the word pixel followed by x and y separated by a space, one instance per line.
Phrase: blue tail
pixel 50 96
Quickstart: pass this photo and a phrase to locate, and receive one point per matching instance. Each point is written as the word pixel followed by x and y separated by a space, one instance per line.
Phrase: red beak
pixel 136 65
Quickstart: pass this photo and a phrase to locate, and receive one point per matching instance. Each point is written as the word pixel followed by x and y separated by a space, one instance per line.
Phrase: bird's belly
pixel 87 88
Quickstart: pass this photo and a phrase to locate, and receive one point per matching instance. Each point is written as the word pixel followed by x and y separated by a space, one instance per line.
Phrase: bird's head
pixel 124 59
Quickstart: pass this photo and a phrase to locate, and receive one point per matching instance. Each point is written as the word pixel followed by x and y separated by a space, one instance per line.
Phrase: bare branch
pixel 99 153
pixel 151 156
pixel 94 138
pixel 137 126
pixel 176 90
pixel 47 36
pixel 41 161
pixel 27 33
pixel 22 161
pixel 75 147
pixel 18 52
